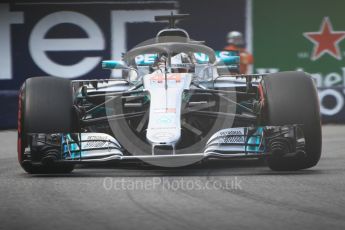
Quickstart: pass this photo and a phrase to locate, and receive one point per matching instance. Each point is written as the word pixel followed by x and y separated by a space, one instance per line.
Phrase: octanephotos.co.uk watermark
pixel 172 183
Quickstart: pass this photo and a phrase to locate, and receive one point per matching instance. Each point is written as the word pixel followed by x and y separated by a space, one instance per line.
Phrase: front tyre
pixel 291 98
pixel 45 106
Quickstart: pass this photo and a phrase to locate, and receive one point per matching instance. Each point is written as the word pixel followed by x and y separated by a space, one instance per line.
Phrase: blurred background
pixel 70 38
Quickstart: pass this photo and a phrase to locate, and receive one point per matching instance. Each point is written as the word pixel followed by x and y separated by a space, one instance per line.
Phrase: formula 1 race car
pixel 177 102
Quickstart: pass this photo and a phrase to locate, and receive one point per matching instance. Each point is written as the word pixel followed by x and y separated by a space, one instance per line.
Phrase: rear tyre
pixel 45 106
pixel 291 98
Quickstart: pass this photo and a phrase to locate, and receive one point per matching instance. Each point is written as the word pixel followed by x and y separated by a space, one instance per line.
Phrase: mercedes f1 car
pixel 176 103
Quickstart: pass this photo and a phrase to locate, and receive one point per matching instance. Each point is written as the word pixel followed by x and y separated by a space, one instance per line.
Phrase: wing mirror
pixel 112 64
pixel 228 61
pixel 227 58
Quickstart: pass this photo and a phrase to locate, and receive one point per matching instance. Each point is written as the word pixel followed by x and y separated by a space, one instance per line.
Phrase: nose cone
pixel 164 126
pixel 166 137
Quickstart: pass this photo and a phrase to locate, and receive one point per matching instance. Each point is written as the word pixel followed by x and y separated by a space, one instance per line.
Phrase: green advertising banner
pixel 306 35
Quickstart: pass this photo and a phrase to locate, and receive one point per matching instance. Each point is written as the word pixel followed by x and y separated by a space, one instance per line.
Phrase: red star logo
pixel 325 40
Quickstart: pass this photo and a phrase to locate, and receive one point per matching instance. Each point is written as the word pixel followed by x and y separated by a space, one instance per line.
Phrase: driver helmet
pixel 180 63
pixel 161 62
pixel 235 38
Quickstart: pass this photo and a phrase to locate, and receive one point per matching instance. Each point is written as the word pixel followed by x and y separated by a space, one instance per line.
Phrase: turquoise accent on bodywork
pixel 146 59
pixel 255 140
pixel 108 64
pixel 226 57
pixel 112 64
pixel 72 146
pixel 230 60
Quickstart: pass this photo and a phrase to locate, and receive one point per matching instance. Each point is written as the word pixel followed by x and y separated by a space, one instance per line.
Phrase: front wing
pixel 242 142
